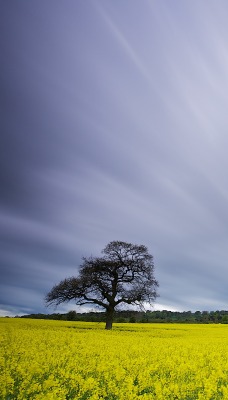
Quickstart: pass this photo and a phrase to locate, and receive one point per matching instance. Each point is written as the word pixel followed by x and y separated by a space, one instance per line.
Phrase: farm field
pixel 61 360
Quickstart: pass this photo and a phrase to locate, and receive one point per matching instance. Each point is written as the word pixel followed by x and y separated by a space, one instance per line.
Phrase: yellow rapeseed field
pixel 60 360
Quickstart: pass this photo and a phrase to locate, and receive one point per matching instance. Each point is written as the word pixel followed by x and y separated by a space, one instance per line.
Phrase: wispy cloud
pixel 114 126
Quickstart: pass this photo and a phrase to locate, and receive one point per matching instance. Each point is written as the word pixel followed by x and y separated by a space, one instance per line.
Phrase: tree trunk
pixel 109 318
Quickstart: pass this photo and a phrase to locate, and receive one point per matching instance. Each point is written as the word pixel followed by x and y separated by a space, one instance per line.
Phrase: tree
pixel 123 275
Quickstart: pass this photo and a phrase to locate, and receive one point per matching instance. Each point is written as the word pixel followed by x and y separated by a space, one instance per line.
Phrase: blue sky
pixel 114 127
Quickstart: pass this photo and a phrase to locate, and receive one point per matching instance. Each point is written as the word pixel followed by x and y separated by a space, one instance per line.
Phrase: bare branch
pixel 125 274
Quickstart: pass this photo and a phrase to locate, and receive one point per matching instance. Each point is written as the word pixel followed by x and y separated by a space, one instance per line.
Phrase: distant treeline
pixel 203 317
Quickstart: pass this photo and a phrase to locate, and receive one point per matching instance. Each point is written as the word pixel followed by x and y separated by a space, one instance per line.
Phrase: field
pixel 60 360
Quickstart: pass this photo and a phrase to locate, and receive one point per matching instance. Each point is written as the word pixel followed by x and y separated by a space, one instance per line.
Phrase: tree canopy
pixel 124 274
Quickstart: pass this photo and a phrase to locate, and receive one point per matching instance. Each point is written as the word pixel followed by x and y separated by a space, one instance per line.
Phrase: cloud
pixel 114 128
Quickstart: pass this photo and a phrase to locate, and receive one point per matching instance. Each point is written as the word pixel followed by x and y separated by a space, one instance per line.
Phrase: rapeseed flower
pixel 60 360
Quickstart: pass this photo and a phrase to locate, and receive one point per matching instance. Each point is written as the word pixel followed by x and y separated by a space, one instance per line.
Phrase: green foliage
pixel 140 316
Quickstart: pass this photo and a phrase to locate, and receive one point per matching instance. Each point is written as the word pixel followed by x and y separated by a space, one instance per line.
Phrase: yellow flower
pixel 57 360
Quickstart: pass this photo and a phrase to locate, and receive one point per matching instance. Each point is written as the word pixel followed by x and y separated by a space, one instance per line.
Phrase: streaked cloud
pixel 114 128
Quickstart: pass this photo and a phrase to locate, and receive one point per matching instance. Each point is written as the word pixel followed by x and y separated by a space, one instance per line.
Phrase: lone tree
pixel 123 275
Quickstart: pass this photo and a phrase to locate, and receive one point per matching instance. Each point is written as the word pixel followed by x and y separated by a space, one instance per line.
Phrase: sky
pixel 114 127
